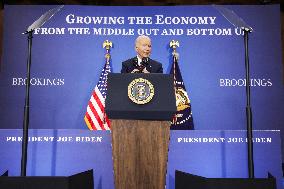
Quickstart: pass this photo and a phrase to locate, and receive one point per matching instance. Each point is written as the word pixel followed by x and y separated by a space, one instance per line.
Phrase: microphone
pixel 140 68
pixel 135 62
pixel 145 61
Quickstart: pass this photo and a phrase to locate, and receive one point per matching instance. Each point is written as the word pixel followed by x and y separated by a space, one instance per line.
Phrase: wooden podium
pixel 140 133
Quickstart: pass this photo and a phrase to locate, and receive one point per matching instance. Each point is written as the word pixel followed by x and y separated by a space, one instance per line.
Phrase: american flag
pixel 95 116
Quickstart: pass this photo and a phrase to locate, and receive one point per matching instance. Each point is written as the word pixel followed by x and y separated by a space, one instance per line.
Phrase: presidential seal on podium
pixel 140 91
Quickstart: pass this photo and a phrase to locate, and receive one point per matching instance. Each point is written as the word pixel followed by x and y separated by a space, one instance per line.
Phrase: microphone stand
pixel 26 108
pixel 248 107
pixel 36 24
pixel 238 22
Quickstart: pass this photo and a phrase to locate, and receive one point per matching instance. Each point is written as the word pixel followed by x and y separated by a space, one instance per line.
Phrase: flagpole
pixel 174 44
pixel 107 45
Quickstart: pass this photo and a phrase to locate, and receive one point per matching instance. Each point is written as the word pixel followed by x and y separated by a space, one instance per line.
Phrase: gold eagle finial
pixel 107 44
pixel 174 44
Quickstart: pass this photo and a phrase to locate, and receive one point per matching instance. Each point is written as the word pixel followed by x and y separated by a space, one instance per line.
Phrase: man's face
pixel 143 47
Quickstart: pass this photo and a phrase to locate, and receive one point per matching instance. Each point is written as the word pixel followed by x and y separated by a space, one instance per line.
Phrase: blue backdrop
pixel 66 65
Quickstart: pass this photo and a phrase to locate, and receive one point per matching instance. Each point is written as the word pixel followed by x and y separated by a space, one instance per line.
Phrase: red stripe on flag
pixel 98 101
pixel 98 118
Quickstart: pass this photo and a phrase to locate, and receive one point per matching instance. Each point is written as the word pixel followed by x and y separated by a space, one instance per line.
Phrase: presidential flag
pixel 95 117
pixel 182 120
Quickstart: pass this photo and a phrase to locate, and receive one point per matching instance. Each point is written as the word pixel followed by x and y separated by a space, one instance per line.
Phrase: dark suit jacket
pixel 153 66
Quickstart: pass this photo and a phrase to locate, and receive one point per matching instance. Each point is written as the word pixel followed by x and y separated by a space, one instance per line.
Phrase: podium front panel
pixel 119 105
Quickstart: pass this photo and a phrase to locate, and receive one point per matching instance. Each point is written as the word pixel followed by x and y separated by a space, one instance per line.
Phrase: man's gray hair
pixel 141 37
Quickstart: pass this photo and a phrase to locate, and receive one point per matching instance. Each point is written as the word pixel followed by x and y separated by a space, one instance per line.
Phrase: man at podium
pixel 142 63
